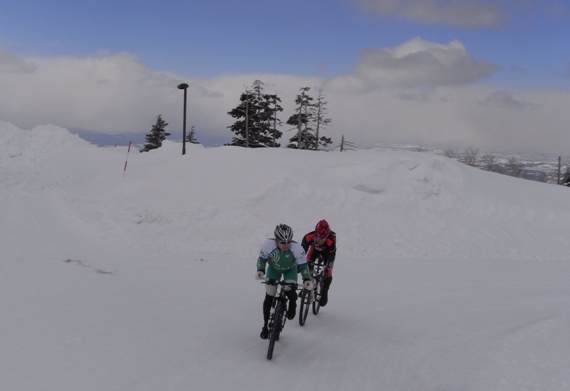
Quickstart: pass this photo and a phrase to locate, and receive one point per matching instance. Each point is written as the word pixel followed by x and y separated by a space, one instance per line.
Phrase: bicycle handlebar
pixel 281 282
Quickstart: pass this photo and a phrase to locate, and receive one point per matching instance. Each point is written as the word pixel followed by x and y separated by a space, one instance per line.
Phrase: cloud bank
pixel 414 63
pixel 419 92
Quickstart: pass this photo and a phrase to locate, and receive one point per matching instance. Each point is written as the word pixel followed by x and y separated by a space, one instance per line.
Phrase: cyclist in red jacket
pixel 321 241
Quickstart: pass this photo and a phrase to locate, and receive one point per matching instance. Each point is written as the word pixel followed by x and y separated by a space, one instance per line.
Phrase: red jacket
pixel 327 249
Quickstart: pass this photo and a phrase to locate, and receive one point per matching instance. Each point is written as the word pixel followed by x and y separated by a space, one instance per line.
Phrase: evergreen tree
pixel 270 108
pixel 256 118
pixel 157 135
pixel 309 119
pixel 191 138
pixel 302 119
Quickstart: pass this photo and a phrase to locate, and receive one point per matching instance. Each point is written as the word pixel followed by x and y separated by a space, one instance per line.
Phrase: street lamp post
pixel 184 87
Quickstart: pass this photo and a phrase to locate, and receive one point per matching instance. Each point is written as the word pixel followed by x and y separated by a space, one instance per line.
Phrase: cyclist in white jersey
pixel 280 257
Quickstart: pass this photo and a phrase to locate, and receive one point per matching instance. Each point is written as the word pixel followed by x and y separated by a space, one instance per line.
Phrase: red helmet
pixel 322 229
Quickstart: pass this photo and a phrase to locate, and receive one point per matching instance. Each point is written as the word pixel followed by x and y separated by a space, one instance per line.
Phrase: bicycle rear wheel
pixel 275 325
pixel 305 304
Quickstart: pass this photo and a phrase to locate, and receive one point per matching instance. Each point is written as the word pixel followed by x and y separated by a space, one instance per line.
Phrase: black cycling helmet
pixel 283 233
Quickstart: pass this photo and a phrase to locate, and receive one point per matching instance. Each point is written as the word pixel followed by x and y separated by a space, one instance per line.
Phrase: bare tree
pixel 320 121
pixel 346 145
pixel 513 167
pixel 450 153
pixel 489 162
pixel 469 156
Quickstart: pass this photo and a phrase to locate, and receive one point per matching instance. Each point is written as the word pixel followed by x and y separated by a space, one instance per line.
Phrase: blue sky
pixel 208 38
pixel 514 53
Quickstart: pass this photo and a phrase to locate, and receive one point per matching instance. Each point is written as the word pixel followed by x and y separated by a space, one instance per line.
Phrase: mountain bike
pixel 313 297
pixel 278 315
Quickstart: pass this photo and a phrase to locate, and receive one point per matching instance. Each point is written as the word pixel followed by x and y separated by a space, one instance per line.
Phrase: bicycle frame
pixel 319 274
pixel 278 318
pixel 319 268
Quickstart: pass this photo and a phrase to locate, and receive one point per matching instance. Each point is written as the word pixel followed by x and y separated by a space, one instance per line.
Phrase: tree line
pixel 509 166
pixel 257 119
pixel 158 134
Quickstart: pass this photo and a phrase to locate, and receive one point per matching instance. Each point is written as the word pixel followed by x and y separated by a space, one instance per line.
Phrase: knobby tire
pixel 317 301
pixel 305 304
pixel 276 325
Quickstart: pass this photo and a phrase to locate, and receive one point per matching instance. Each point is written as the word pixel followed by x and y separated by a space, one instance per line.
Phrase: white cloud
pixel 11 63
pixel 416 62
pixel 109 93
pixel 433 106
pixel 504 99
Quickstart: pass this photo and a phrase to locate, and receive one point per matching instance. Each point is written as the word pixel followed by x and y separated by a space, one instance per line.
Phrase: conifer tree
pixel 256 118
pixel 157 135
pixel 191 136
pixel 304 137
pixel 309 119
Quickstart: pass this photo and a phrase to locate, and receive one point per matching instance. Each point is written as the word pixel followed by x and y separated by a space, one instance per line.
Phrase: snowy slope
pixel 448 277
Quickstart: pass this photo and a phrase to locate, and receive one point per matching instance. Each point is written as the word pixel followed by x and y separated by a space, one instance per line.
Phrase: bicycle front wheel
pixel 317 301
pixel 305 304
pixel 275 328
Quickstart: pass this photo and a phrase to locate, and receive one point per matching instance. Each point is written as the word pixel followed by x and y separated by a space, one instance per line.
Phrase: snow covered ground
pixel 447 277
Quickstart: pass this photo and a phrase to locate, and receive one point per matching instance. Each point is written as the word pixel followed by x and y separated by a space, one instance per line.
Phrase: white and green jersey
pixel 283 261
